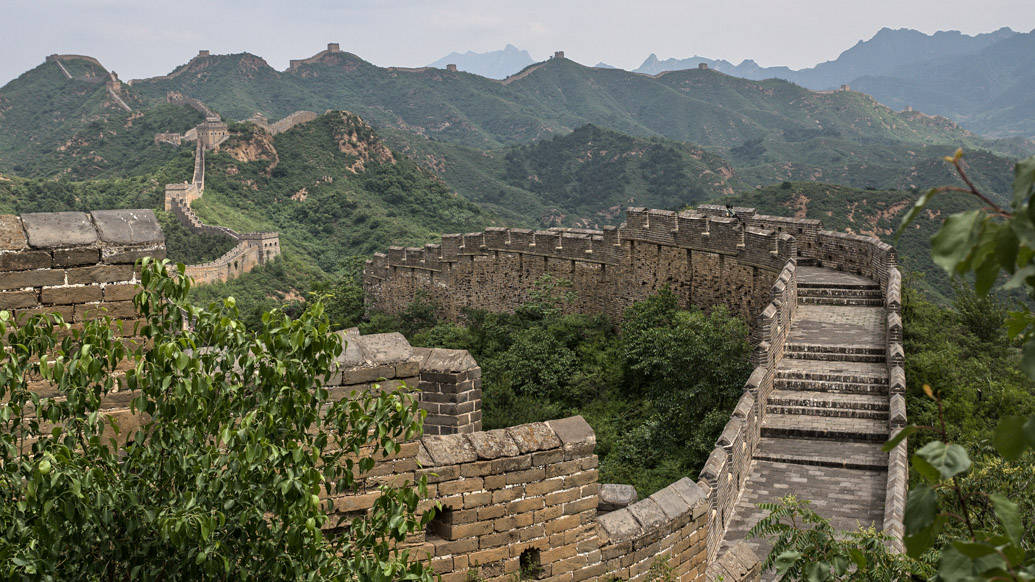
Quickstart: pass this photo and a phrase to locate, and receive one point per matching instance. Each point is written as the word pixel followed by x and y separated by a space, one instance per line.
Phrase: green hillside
pixel 54 126
pixel 585 178
pixel 700 106
pixel 330 187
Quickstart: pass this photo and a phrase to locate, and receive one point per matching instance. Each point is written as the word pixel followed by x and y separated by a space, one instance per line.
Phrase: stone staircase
pixel 827 415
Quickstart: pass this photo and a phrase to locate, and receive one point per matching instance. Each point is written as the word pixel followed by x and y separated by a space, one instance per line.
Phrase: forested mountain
pixel 985 81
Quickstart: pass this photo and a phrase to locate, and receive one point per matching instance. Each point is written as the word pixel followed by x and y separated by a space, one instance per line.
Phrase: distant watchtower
pixel 558 55
pixel 846 87
pixel 702 66
pixel 212 132
pixel 451 68
pixel 333 47
pixel 203 53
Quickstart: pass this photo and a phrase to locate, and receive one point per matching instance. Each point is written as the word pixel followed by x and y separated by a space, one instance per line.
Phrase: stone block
pixel 647 512
pixel 620 525
pixel 573 430
pixel 48 230
pixel 76 257
pixel 12 236
pixel 18 300
pixel 68 295
pixel 23 279
pixel 493 444
pixel 127 227
pixel 25 260
pixel 122 292
pixel 450 449
pixel 671 503
pixel 536 436
pixel 100 274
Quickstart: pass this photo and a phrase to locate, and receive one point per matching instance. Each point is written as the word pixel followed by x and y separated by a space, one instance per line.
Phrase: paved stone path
pixel 828 413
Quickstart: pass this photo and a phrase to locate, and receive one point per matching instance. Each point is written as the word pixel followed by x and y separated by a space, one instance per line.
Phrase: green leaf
pixel 1023 181
pixel 921 509
pixel 1009 437
pixel 955 566
pixel 949 460
pixel 925 469
pixel 955 240
pixel 899 437
pixel 1006 247
pixel 1009 515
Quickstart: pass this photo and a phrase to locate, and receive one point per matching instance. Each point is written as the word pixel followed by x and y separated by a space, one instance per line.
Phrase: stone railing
pixel 729 464
pixel 898 462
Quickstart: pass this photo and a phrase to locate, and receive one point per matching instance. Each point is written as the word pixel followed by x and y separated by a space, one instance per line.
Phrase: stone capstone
pixel 450 449
pixel 533 437
pixel 12 237
pixel 612 497
pixel 49 230
pixel 127 227
pixel 620 525
pixel 445 360
pixel 573 430
pixel 493 444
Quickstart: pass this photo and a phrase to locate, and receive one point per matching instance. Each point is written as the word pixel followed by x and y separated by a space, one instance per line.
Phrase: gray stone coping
pixel 49 230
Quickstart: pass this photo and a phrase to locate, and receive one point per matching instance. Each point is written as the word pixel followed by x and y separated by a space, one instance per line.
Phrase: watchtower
pixel 558 55
pixel 204 53
pixel 451 68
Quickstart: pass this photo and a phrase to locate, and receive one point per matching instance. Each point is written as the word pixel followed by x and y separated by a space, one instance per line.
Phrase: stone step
pixel 825 386
pixel 824 427
pixel 841 377
pixel 833 348
pixel 840 292
pixel 850 301
pixel 820 453
pixel 805 284
pixel 827 412
pixel 875 402
pixel 836 357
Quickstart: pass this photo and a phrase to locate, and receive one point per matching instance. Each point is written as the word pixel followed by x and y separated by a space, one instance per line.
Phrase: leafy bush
pixel 218 471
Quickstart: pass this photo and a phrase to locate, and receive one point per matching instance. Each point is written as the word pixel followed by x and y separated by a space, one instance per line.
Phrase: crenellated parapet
pixel 706 260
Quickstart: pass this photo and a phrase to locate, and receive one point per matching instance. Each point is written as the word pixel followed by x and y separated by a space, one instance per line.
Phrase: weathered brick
pixel 100 274
pixel 23 279
pixel 76 257
pixel 460 486
pixel 18 299
pixel 114 310
pixel 25 260
pixel 68 295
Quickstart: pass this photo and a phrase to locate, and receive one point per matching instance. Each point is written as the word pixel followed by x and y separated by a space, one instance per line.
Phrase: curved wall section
pixel 705 260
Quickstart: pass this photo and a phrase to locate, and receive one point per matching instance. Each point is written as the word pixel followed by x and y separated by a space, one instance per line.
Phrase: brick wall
pixel 705 260
pixel 76 264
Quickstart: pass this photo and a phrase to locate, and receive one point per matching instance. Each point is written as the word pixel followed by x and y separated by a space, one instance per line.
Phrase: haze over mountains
pixel 492 64
pixel 985 81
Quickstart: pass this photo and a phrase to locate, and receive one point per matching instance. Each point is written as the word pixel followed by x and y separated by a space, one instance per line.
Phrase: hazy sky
pixel 145 38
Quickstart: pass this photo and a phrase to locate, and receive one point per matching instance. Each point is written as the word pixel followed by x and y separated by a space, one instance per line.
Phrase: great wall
pixel 252 249
pixel 825 392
